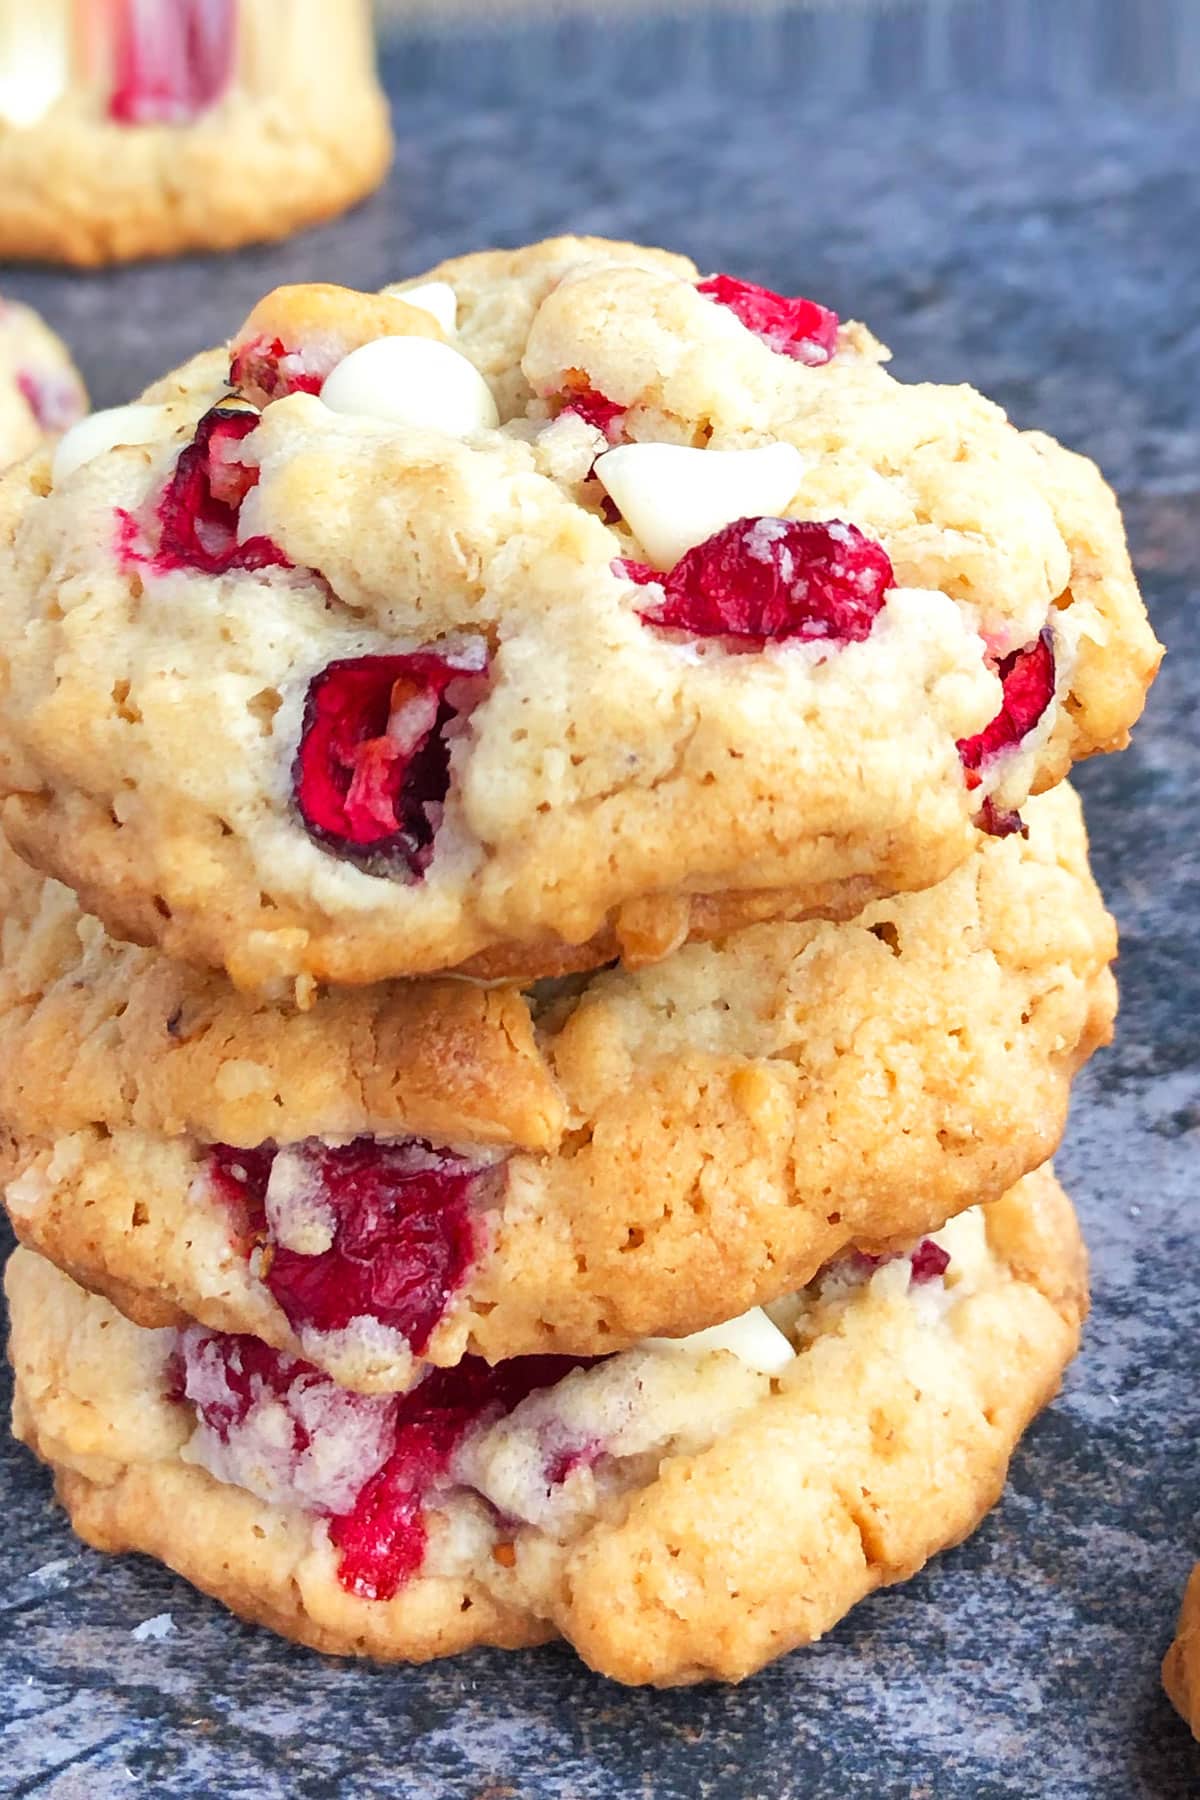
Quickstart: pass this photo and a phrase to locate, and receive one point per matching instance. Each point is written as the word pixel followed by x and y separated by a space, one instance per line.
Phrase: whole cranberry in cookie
pixel 365 1230
pixel 763 581
pixel 1027 677
pixel 373 765
pixel 798 328
pixel 198 513
pixel 172 59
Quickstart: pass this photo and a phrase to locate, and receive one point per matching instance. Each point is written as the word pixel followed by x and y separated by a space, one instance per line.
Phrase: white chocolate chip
pixel 437 298
pixel 28 1192
pixel 674 497
pixel 413 381
pixel 751 1338
pixel 35 63
pixel 102 431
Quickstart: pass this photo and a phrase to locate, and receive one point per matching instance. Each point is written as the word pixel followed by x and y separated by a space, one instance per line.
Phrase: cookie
pixel 556 607
pixel 41 393
pixel 1181 1665
pixel 150 127
pixel 677 1513
pixel 430 1169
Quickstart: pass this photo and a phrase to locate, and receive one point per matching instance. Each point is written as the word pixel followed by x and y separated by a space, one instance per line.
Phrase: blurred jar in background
pixel 145 127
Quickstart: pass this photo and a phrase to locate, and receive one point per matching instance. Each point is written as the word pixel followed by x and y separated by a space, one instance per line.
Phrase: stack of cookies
pixel 536 1000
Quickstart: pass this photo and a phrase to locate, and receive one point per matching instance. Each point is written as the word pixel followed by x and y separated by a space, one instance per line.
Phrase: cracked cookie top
pixel 559 605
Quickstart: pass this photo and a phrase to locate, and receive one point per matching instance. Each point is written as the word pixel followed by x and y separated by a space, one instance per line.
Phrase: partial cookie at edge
pixel 1181 1664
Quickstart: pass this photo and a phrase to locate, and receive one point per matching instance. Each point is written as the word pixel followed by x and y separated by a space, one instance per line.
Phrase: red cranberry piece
pixel 373 766
pixel 382 1536
pixel 403 1232
pixel 595 409
pixel 198 513
pixel 172 60
pixel 1000 821
pixel 770 580
pixel 929 1261
pixel 404 1239
pixel 862 1263
pixel 266 368
pixel 247 1371
pixel 52 396
pixel 794 327
pixel 240 1178
pixel 382 1539
pixel 284 1423
pixel 641 574
pixel 176 1376
pixel 1027 677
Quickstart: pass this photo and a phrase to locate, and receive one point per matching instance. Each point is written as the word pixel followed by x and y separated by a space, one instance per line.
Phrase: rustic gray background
pixel 1008 191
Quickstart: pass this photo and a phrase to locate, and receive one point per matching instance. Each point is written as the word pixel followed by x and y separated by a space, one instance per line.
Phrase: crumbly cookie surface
pixel 623 1154
pixel 41 392
pixel 150 132
pixel 676 1516
pixel 314 692
pixel 1181 1665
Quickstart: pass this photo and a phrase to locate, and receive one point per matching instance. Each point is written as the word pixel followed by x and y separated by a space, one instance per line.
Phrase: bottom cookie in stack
pixel 679 1511
pixel 1181 1664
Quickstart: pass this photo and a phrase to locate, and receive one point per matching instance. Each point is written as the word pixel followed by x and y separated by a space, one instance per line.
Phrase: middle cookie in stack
pixel 416 1172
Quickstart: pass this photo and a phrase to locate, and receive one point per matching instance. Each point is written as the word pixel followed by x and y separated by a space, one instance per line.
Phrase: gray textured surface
pixel 1008 192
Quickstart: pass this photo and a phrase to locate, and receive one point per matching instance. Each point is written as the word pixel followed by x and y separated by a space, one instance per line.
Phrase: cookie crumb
pixel 162 1625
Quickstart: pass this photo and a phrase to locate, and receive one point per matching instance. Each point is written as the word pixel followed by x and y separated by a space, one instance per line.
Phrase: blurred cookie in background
pixel 133 128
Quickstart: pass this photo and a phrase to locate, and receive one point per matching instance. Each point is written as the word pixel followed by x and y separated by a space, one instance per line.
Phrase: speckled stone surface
pixel 1007 192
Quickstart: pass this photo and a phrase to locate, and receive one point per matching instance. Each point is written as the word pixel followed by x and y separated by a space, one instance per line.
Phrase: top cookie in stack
pixel 564 605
